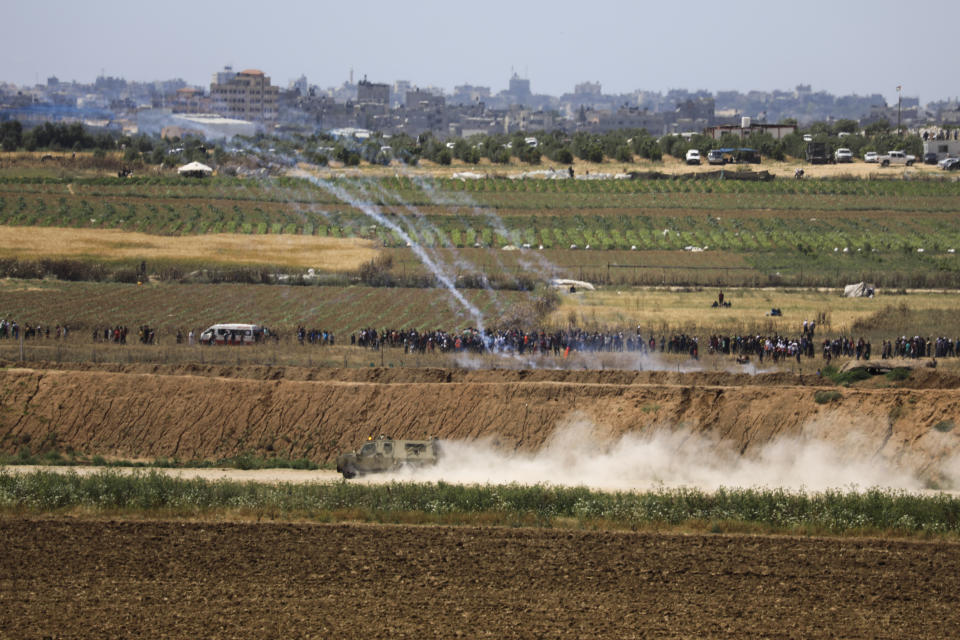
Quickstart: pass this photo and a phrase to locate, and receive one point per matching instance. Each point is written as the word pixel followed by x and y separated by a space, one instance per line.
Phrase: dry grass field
pixel 668 310
pixel 324 253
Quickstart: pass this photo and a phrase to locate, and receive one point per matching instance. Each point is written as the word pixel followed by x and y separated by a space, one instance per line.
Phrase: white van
pixel 693 156
pixel 232 334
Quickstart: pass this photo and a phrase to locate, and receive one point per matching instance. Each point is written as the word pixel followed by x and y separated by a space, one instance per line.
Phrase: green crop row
pixel 835 512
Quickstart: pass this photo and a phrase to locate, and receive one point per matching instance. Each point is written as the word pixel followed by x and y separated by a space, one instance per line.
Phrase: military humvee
pixel 387 454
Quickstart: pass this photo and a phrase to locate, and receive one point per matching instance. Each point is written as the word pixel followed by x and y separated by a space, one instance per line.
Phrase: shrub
pixel 825 397
pixel 944 426
pixel 899 374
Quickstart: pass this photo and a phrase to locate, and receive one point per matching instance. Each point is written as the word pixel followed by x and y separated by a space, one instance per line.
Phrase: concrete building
pixel 587 89
pixel 248 95
pixel 746 127
pixel 373 93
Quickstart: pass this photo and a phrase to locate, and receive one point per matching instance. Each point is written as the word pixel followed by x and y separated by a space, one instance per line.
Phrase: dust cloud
pixel 581 454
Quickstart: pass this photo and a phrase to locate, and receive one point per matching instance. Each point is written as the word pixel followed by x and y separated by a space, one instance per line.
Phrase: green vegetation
pixel 773 510
pixel 53 457
pixel 944 426
pixel 845 378
pixel 826 397
pixel 898 375
pixel 783 232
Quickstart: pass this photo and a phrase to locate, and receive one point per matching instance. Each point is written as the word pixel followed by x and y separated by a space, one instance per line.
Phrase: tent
pixel 195 169
pixel 858 290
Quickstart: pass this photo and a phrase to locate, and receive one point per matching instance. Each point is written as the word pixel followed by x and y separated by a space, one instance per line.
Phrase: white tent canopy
pixel 195 168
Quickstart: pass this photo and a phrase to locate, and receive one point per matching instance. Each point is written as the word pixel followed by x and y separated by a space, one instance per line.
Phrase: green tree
pixel 11 135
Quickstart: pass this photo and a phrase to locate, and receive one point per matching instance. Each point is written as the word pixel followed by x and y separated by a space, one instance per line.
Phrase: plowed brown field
pixel 65 578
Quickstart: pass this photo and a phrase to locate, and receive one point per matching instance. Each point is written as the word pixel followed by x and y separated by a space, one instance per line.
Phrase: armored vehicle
pixel 386 454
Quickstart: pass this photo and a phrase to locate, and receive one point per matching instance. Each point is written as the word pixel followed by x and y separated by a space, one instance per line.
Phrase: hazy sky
pixel 841 46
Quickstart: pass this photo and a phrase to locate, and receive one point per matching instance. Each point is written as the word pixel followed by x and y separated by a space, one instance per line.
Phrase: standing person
pixel 720 297
pixel 190 338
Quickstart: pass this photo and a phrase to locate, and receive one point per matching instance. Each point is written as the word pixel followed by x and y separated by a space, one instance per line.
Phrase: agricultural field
pixel 347 309
pixel 667 311
pixel 895 232
pixel 167 308
pixel 156 577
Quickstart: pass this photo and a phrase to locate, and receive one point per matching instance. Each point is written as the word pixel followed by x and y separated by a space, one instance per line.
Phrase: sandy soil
pixel 210 412
pixel 66 578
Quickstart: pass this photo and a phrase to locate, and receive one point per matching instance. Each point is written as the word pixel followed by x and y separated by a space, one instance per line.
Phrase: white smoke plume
pixel 580 454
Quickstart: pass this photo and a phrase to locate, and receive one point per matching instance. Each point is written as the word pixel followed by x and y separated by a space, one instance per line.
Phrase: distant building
pixel 373 93
pixel 469 94
pixel 519 89
pixel 423 100
pixel 248 95
pixel 587 89
pixel 746 127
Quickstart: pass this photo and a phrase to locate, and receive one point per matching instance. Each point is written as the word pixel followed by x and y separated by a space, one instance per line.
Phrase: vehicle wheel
pixel 885 163
pixel 348 472
pixel 909 164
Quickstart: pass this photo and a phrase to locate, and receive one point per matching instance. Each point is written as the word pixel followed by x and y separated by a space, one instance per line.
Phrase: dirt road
pixel 66 578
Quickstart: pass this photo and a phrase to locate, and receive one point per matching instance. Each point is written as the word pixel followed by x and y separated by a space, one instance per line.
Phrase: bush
pixel 825 397
pixel 899 374
pixel 944 426
pixel 376 272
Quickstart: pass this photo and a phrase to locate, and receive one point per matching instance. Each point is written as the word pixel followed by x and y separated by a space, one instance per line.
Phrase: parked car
pixel 807 137
pixel 946 161
pixel 843 155
pixel 716 156
pixel 930 158
pixel 952 165
pixel 693 156
pixel 871 156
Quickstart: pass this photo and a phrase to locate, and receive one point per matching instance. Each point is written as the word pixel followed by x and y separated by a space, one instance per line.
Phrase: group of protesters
pixel 116 334
pixel 774 348
pixel 321 337
pixel 14 330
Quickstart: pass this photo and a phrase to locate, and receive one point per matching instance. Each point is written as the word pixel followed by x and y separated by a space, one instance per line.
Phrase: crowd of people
pixel 773 348
pixel 12 329
pixel 315 336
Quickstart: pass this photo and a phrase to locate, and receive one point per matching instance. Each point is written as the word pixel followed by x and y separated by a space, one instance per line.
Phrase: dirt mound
pixel 193 580
pixel 214 412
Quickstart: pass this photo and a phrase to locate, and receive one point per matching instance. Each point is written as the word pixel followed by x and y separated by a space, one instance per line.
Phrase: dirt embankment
pixel 213 412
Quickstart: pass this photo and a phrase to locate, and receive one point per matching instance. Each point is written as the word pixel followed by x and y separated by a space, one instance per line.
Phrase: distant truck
pixel 817 153
pixel 896 157
pixel 386 454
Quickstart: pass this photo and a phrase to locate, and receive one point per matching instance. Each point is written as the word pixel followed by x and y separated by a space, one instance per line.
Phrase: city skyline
pixel 840 48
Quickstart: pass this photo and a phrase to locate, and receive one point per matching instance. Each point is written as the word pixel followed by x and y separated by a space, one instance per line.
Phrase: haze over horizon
pixel 846 47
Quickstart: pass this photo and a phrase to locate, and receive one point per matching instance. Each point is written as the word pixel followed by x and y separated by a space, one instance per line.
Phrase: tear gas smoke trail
pixel 458 261
pixel 579 454
pixel 372 212
pixel 545 270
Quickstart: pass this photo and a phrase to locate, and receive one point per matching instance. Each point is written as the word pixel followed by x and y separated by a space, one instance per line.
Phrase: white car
pixel 843 155
pixel 871 156
pixel 807 137
pixel 693 156
pixel 948 160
